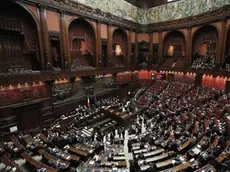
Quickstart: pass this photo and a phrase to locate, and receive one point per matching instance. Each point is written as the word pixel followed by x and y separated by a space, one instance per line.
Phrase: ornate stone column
pixel 129 49
pixel 98 46
pixel 151 47
pixel 136 49
pixel 189 46
pixel 64 40
pixel 109 45
pixel 45 36
pixel 160 47
pixel 221 43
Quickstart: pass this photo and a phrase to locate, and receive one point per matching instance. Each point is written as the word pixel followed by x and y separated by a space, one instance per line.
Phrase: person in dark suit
pixel 225 166
pixel 123 133
pixel 129 146
pixel 222 142
pixel 153 168
pixel 111 136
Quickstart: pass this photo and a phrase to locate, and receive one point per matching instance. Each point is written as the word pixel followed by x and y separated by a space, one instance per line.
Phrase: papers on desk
pixel 164 163
pixel 182 159
pixel 68 157
pixel 66 147
pixel 136 148
pixel 140 151
pixel 156 158
pixel 91 162
pixel 196 150
pixel 115 169
pixel 173 161
pixel 153 152
pixel 145 167
pixel 119 158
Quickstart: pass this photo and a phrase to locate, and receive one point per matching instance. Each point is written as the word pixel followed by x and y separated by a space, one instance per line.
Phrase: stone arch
pixel 120 42
pixel 82 42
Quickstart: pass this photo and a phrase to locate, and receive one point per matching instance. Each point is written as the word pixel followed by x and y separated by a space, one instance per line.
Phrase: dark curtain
pixel 30 36
pixel 81 30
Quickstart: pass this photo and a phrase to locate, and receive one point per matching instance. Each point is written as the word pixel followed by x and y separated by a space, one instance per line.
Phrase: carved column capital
pixel 189 27
pixel 62 12
pixel 41 7
pixel 98 21
pixel 223 19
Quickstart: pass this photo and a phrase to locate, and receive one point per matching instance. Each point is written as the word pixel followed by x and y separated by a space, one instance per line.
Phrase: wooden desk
pixel 178 168
pixel 140 151
pixel 17 143
pixel 198 147
pixel 214 144
pixel 206 168
pixel 224 154
pixel 28 139
pixel 74 158
pixel 164 163
pixel 68 157
pixel 186 144
pixel 156 158
pixel 119 158
pixel 182 167
pixel 49 157
pixel 154 152
pixel 117 164
pixel 122 164
pixel 145 167
pixel 84 148
pixel 221 157
pixel 5 160
pixel 136 148
pixel 36 164
pixel 43 138
pixel 80 153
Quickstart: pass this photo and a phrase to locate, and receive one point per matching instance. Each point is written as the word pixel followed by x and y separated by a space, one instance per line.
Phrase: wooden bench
pixel 49 157
pixel 17 143
pixel 36 164
pixel 8 162
pixel 83 155
pixel 186 144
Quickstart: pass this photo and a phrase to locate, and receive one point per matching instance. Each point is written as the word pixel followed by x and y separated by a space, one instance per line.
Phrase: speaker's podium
pixel 121 117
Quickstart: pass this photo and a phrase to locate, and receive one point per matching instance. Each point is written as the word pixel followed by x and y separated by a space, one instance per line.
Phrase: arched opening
pixel 174 49
pixel 143 57
pixel 226 64
pixel 19 48
pixel 120 43
pixel 204 48
pixel 82 42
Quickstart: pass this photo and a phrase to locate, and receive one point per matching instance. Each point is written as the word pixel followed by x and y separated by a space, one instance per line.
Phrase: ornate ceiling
pixel 147 3
pixel 162 12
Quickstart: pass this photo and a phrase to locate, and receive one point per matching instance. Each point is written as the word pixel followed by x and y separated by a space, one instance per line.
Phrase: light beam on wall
pixel 118 50
pixel 171 50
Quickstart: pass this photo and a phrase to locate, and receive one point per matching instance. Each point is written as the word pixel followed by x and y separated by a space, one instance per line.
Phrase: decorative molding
pixel 74 8
pixel 201 19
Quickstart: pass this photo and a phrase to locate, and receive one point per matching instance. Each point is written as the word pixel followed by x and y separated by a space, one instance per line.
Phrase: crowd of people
pixel 206 62
pixel 176 126
pixel 184 126
pixel 61 94
pixel 79 64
